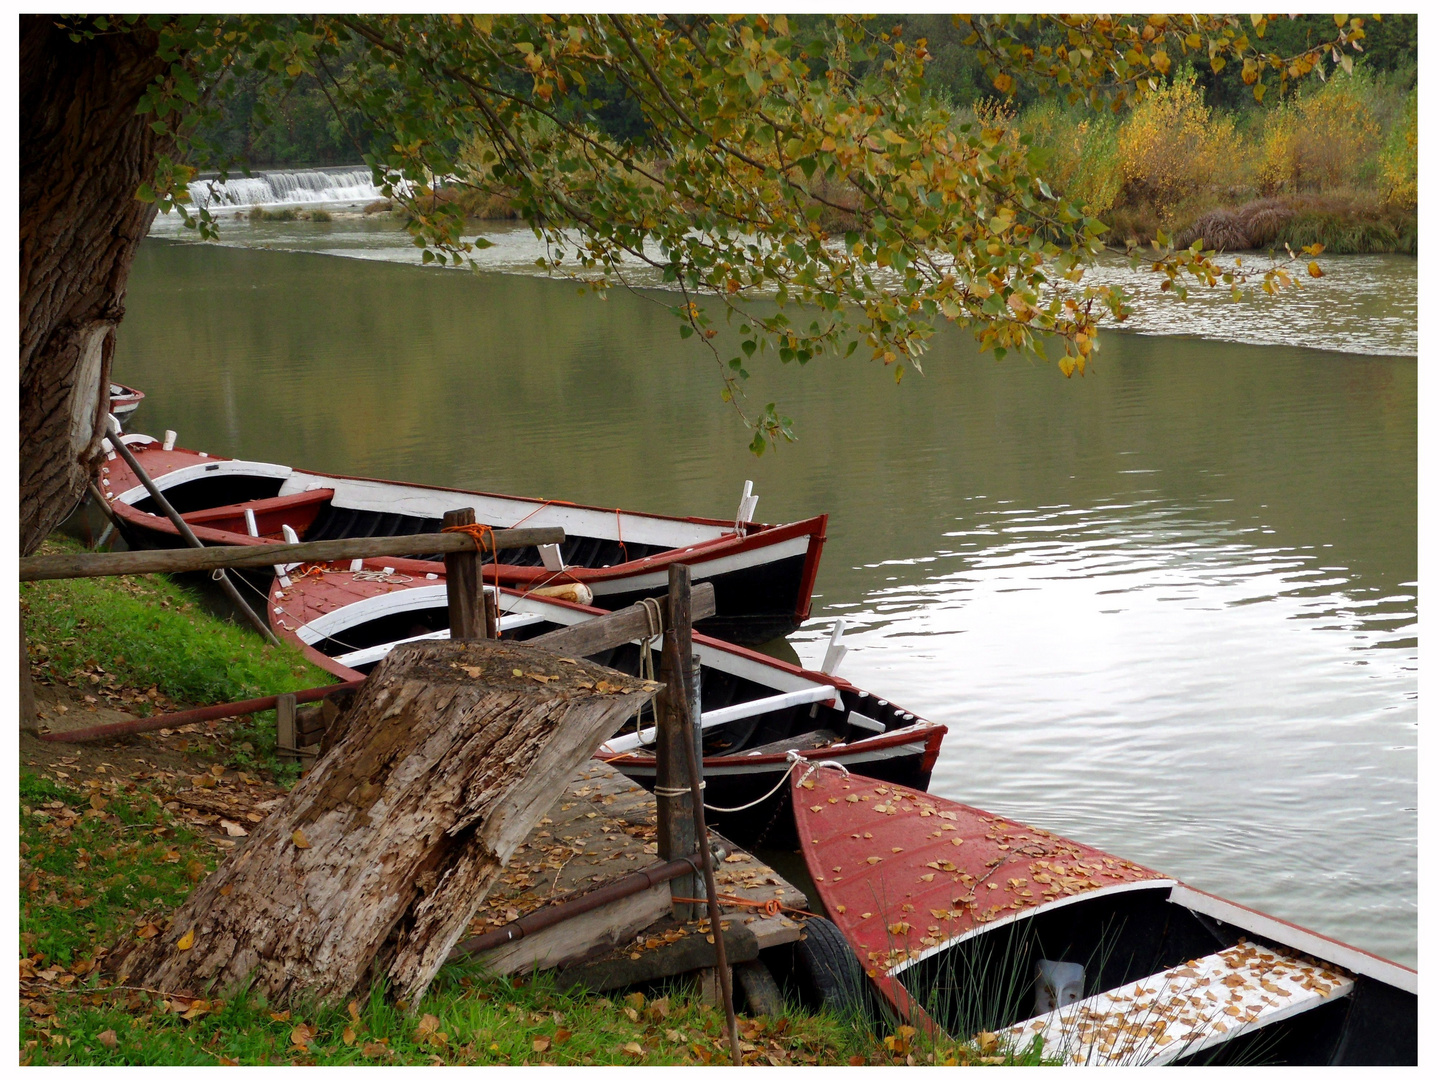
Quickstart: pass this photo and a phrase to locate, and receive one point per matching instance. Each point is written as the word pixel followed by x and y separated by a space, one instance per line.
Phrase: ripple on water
pixel 1151 680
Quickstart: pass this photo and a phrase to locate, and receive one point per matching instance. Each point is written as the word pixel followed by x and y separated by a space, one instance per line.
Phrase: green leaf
pixel 686 330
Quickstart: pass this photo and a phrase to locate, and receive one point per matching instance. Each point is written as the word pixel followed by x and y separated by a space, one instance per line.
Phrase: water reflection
pixel 1363 304
pixel 1167 609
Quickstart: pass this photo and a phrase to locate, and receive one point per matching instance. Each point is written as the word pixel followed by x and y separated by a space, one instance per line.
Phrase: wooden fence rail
pixel 187 560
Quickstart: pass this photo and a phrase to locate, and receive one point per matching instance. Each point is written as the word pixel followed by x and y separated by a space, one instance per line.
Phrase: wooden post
pixel 685 688
pixel 675 812
pixel 286 743
pixel 464 589
pixel 29 718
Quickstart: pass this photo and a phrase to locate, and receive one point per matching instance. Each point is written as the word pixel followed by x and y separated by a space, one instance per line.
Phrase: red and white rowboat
pixel 755 709
pixel 763 574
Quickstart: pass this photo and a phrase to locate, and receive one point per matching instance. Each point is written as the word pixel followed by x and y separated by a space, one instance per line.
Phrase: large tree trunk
pixel 379 857
pixel 83 154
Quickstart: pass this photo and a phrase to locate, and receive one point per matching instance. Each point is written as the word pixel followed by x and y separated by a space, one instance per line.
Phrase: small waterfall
pixel 340 185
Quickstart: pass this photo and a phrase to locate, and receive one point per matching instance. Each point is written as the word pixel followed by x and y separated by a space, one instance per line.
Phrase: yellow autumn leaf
pixel 299 838
pixel 1315 270
pixel 187 941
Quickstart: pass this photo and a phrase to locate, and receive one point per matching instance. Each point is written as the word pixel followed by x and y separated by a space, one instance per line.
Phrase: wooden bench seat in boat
pixel 297 511
pixel 1186 1009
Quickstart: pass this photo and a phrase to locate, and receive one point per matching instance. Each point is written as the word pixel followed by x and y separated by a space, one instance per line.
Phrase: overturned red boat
pixel 967 922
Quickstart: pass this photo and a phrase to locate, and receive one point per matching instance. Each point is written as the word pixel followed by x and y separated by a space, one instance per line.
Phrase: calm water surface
pixel 1168 609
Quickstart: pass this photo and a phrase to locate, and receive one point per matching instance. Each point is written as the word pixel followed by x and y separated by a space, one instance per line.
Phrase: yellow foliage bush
pixel 1321 140
pixel 1081 163
pixel 1170 148
pixel 1399 160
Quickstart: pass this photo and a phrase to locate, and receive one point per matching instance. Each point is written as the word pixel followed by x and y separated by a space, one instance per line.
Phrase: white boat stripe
pixel 204 469
pixel 497 510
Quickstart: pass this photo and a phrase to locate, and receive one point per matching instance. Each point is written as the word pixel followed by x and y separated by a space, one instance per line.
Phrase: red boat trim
pixel 812 569
pixel 923 731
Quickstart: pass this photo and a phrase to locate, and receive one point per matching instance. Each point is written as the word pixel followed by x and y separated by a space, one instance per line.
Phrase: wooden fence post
pixel 29 718
pixel 286 743
pixel 675 811
pixel 464 587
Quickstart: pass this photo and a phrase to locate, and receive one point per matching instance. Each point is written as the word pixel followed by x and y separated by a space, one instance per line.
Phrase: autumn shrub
pixel 1323 139
pixel 1171 148
pixel 1079 151
pixel 1399 162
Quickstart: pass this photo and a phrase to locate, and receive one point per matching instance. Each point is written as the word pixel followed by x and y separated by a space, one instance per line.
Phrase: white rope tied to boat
pixel 654 628
pixel 675 792
pixel 794 757
pixel 387 577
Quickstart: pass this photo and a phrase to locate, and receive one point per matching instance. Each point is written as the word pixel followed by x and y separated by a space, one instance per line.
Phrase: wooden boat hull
pixel 124 400
pixel 344 622
pixel 949 910
pixel 764 575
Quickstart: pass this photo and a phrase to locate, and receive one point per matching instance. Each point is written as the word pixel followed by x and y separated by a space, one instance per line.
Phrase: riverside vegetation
pixel 1334 164
pixel 114 836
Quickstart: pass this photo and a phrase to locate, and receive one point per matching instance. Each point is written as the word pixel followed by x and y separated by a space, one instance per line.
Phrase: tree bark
pixel 377 860
pixel 83 154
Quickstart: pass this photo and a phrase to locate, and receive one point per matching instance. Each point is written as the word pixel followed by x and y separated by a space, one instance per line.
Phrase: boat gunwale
pixel 751 527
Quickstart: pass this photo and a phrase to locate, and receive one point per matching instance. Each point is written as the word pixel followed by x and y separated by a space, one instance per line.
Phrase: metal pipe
pixel 192 716
pixel 184 529
pixel 544 918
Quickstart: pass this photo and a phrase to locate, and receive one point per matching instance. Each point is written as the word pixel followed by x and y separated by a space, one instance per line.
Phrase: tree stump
pixel 376 861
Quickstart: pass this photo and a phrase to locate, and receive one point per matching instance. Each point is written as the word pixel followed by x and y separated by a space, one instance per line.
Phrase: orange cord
pixel 480 534
pixel 620 537
pixel 767 907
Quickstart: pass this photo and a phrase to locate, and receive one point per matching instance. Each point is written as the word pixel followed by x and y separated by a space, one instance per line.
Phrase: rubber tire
pixel 757 989
pixel 830 973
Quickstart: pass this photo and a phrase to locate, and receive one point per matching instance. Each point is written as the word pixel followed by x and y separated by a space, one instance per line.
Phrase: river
pixel 1168 609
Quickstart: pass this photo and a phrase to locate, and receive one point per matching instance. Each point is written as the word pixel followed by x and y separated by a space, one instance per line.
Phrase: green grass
pixel 140 632
pixel 102 861
pixel 96 872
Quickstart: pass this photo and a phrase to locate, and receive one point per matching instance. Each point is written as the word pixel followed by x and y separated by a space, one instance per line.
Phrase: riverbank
pixel 114 836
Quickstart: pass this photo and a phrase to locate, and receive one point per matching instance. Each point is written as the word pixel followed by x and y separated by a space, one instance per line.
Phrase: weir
pixel 346 183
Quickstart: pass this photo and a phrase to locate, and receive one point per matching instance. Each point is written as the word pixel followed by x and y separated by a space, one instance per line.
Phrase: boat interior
pixel 745 705
pixel 988 982
pixel 218 500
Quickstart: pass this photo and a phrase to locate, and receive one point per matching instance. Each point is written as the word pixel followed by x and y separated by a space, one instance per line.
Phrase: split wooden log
pixel 376 861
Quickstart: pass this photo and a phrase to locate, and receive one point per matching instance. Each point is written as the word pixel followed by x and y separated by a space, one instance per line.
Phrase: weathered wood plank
pixel 240 557
pixel 378 858
pixel 627 624
pixel 603 829
pixel 692 952
pixel 286 736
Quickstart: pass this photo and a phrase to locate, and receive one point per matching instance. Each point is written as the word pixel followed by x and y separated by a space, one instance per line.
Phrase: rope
pixel 767 907
pixel 654 628
pixel 675 792
pixel 481 533
pixel 620 537
pixel 382 576
pixel 794 757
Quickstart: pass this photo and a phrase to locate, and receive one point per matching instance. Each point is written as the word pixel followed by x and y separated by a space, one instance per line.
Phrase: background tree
pixel 810 164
